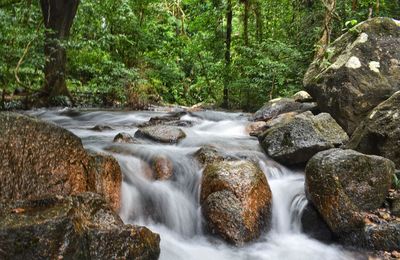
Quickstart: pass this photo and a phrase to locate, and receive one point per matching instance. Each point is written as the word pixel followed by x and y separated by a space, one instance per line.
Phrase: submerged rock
pixel 101 128
pixel 279 106
pixel 343 183
pixel 379 133
pixel 297 138
pixel 361 71
pixel 76 227
pixel 235 200
pixel 163 167
pixel 161 133
pixel 40 159
pixel 314 225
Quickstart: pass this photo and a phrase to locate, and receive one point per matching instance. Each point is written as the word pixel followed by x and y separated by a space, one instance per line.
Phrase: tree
pixel 228 41
pixel 58 16
pixel 322 45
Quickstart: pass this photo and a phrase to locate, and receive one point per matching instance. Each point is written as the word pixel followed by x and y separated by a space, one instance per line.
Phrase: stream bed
pixel 171 207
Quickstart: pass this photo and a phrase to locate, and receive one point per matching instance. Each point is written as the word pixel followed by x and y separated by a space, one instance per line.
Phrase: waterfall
pixel 171 208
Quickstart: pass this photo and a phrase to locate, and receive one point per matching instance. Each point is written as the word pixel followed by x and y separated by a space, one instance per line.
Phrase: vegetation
pixel 236 54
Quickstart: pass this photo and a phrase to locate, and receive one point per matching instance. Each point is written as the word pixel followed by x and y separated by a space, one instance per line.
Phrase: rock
pixel 302 96
pixel 159 120
pixel 256 128
pixel 161 133
pixel 107 179
pixel 342 183
pixel 385 236
pixel 298 138
pixel 281 119
pixel 379 133
pixel 163 167
pixel 362 70
pixel 209 154
pixel 235 200
pixel 279 106
pixel 394 202
pixel 75 227
pixel 40 159
pixel 314 225
pixel 125 138
pixel 101 128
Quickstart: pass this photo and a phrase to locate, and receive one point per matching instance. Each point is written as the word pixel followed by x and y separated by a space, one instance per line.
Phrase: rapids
pixel 171 208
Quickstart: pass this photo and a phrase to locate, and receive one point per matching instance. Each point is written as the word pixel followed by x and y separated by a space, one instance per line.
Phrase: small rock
pixel 163 167
pixel 125 138
pixel 161 133
pixel 279 106
pixel 302 96
pixel 101 128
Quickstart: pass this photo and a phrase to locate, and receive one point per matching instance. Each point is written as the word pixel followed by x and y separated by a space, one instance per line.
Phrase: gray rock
pixel 362 69
pixel 343 183
pixel 299 137
pixel 279 106
pixel 161 133
pixel 379 133
pixel 125 138
pixel 302 96
pixel 314 225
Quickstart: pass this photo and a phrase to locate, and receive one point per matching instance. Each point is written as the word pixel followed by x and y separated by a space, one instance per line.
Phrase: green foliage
pixel 134 52
pixel 396 180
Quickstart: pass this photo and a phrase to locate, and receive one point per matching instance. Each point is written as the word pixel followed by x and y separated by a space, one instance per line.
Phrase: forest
pixel 126 53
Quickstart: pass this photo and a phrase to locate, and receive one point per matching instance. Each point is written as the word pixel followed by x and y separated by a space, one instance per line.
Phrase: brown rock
pixel 236 200
pixel 256 128
pixel 163 167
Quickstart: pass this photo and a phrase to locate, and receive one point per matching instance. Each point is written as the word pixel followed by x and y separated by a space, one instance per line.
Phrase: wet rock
pixel 161 133
pixel 385 236
pixel 101 128
pixel 107 179
pixel 235 200
pixel 362 70
pixel 314 225
pixel 343 183
pixel 379 133
pixel 76 227
pixel 163 167
pixel 159 120
pixel 296 139
pixel 125 138
pixel 256 128
pixel 302 96
pixel 279 106
pixel 40 159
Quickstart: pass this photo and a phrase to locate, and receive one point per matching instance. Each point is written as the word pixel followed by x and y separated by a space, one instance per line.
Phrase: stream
pixel 171 208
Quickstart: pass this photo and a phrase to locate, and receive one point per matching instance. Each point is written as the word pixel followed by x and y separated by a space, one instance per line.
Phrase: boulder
pixel 279 106
pixel 361 69
pixel 73 227
pixel 256 128
pixel 163 167
pixel 161 133
pixel 159 120
pixel 302 96
pixel 107 179
pixel 379 132
pixel 343 183
pixel 40 159
pixel 297 138
pixel 125 138
pixel 235 200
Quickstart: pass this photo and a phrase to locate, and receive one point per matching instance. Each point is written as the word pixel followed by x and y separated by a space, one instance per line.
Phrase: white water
pixel 171 208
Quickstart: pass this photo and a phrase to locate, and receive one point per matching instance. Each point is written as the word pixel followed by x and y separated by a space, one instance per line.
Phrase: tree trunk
pixel 259 21
pixel 228 40
pixel 330 6
pixel 354 5
pixel 58 16
pixel 246 22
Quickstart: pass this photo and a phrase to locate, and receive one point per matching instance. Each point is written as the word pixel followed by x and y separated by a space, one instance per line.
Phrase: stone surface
pixel 314 225
pixel 279 106
pixel 163 167
pixel 343 183
pixel 297 138
pixel 40 159
pixel 76 227
pixel 236 200
pixel 125 138
pixel 161 133
pixel 379 132
pixel 361 71
pixel 256 128
pixel 302 96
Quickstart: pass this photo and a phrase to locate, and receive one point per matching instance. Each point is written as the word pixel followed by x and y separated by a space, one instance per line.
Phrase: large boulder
pixel 279 106
pixel 40 159
pixel 161 133
pixel 361 69
pixel 297 138
pixel 343 183
pixel 73 227
pixel 235 200
pixel 379 133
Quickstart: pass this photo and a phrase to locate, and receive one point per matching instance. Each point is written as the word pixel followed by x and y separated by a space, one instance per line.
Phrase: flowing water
pixel 171 208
